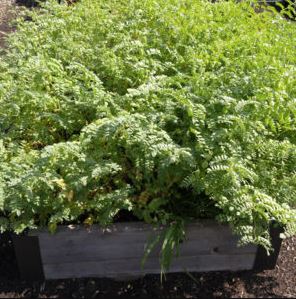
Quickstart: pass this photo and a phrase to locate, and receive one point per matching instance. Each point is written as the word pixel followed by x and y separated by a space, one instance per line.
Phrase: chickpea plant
pixel 174 110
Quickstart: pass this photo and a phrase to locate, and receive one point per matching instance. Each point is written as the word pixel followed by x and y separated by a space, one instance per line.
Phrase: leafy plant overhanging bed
pixel 172 110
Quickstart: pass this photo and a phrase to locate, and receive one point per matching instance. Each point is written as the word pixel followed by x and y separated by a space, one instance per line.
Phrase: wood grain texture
pixel 125 267
pixel 117 251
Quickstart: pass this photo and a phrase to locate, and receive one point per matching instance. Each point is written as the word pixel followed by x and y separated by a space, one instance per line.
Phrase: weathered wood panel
pixel 117 251
pixel 118 245
pixel 125 267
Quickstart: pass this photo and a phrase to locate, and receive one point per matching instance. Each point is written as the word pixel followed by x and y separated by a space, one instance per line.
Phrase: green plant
pixel 171 109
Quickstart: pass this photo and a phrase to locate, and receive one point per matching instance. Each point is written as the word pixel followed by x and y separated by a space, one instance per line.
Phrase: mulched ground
pixel 280 282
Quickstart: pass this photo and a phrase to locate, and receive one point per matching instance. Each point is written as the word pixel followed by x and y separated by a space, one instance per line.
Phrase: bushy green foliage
pixel 171 109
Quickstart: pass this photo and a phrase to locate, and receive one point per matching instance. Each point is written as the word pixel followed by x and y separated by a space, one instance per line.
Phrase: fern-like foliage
pixel 171 109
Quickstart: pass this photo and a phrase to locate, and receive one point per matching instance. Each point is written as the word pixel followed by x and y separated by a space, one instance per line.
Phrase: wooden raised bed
pixel 77 251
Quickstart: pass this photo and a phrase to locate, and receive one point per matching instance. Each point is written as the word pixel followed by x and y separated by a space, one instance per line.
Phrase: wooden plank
pixel 131 245
pixel 119 251
pixel 77 251
pixel 126 267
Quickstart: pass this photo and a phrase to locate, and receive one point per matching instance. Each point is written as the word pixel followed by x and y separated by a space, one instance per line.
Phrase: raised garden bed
pixel 117 251
pixel 173 123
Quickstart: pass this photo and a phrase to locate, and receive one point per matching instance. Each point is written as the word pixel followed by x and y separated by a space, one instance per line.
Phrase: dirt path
pixel 6 7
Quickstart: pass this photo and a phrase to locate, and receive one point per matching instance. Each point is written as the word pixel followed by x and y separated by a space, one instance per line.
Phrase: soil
pixel 277 283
